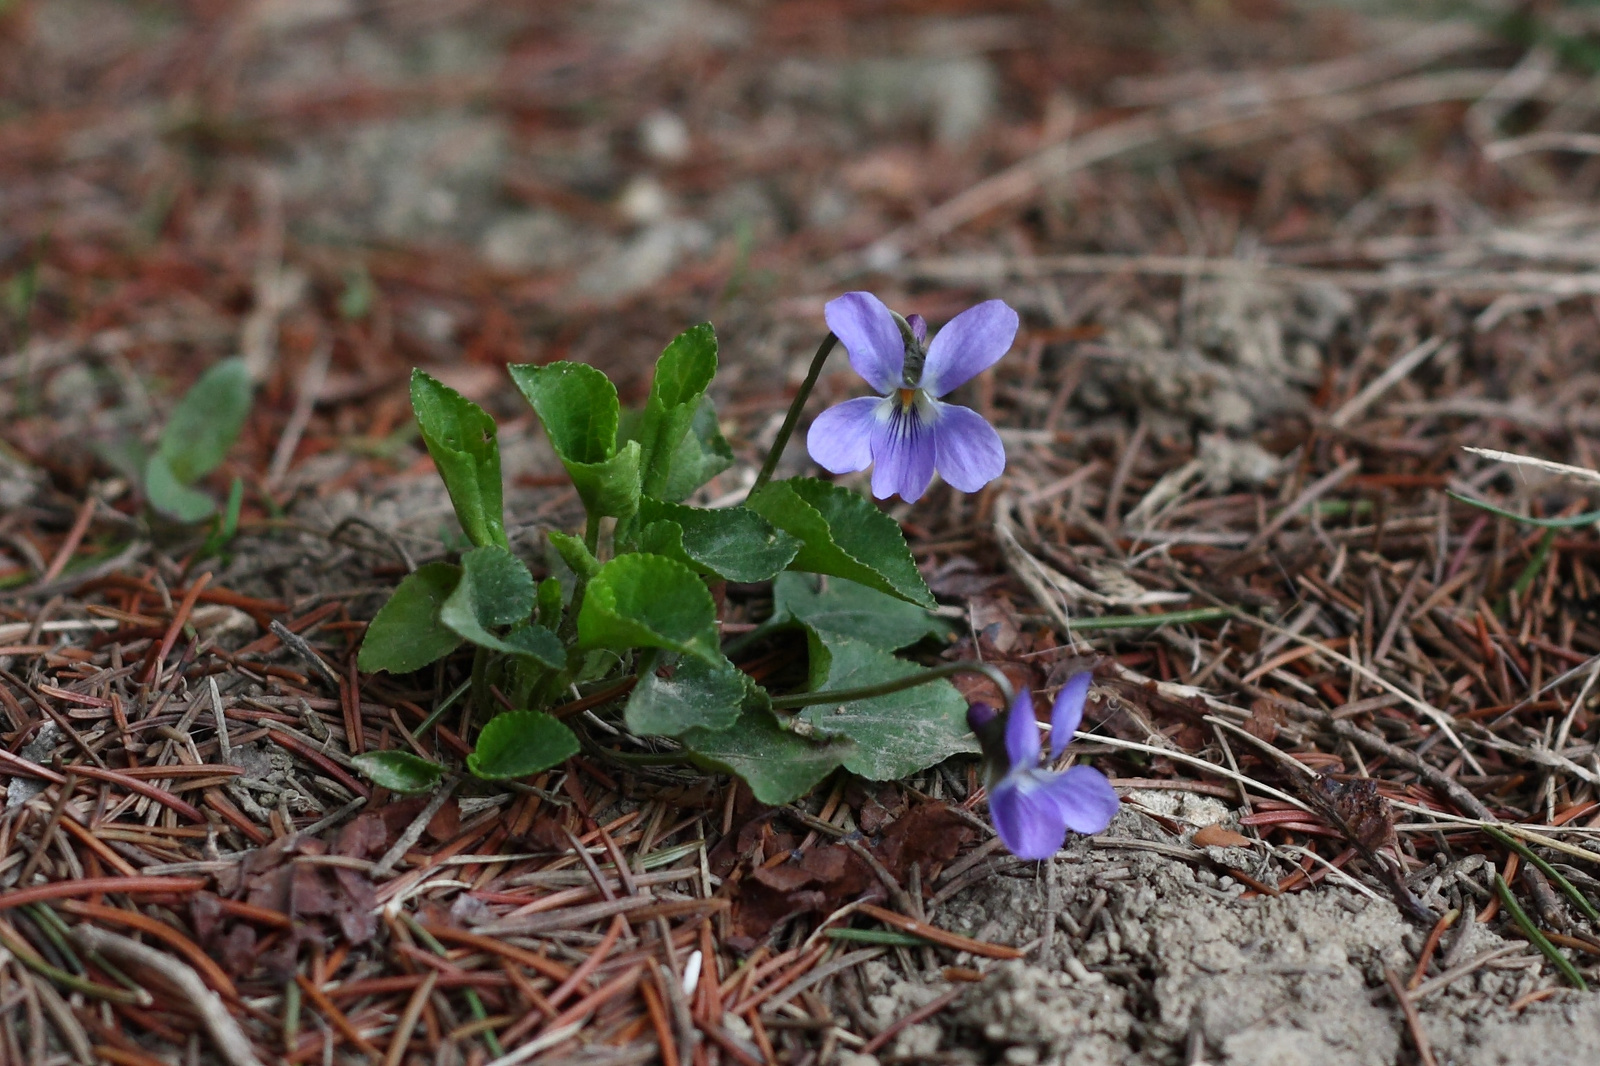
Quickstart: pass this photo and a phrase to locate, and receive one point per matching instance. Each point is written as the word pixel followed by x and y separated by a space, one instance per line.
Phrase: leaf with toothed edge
pixel 843 534
pixel 518 743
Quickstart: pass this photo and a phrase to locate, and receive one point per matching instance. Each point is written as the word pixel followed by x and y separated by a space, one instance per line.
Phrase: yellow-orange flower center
pixel 906 397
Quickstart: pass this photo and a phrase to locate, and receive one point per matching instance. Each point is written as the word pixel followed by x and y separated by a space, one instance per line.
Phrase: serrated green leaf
pixel 496 589
pixel 461 437
pixel 897 734
pixel 398 771
pixel 778 764
pixel 682 374
pixel 170 496
pixel 519 743
pixel 841 606
pixel 502 587
pixel 649 601
pixel 206 421
pixel 843 534
pixel 733 543
pixel 577 405
pixel 699 694
pixel 701 455
pixel 407 633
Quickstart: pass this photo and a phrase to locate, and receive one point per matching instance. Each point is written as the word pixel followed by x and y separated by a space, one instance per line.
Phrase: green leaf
pixel 698 695
pixel 502 587
pixel 851 610
pixel 701 455
pixel 206 422
pixel 843 535
pixel 649 601
pixel 611 487
pixel 407 633
pixel 170 496
pixel 897 734
pixel 574 553
pixel 778 764
pixel 577 405
pixel 398 771
pixel 548 600
pixel 460 436
pixel 496 589
pixel 683 372
pixel 733 543
pixel 519 743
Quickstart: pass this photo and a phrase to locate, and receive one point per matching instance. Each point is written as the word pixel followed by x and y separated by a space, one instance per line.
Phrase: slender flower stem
pixel 865 692
pixel 792 419
pixel 438 713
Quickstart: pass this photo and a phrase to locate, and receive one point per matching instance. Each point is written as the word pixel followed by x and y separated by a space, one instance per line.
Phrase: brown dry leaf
pixel 1265 718
pixel 1361 812
pixel 1215 836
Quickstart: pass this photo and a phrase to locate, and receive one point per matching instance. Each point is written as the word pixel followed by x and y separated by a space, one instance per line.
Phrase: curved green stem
pixel 899 684
pixel 793 417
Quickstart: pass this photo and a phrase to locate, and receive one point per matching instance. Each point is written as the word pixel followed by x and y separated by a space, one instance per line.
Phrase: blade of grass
pixel 1578 898
pixel 1535 937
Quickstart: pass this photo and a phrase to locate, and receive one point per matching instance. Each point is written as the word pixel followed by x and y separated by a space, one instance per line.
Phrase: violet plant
pixel 910 432
pixel 1033 806
pixel 621 622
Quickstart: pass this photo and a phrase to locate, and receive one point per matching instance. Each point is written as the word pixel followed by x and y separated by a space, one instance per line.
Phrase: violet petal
pixel 1027 818
pixel 968 451
pixel 840 440
pixel 1067 714
pixel 902 453
pixel 1084 799
pixel 1022 733
pixel 870 335
pixel 969 344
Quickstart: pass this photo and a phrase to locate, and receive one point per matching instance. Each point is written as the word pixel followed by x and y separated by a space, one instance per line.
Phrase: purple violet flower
pixel 1033 807
pixel 907 431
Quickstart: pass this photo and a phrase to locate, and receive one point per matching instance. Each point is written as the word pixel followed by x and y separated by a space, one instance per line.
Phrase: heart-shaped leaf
pixel 407 633
pixel 778 764
pixel 843 534
pixel 699 694
pixel 851 610
pixel 684 370
pixel 502 587
pixel 398 771
pixel 897 734
pixel 732 543
pixel 577 405
pixel 519 743
pixel 495 590
pixel 649 601
pixel 460 436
